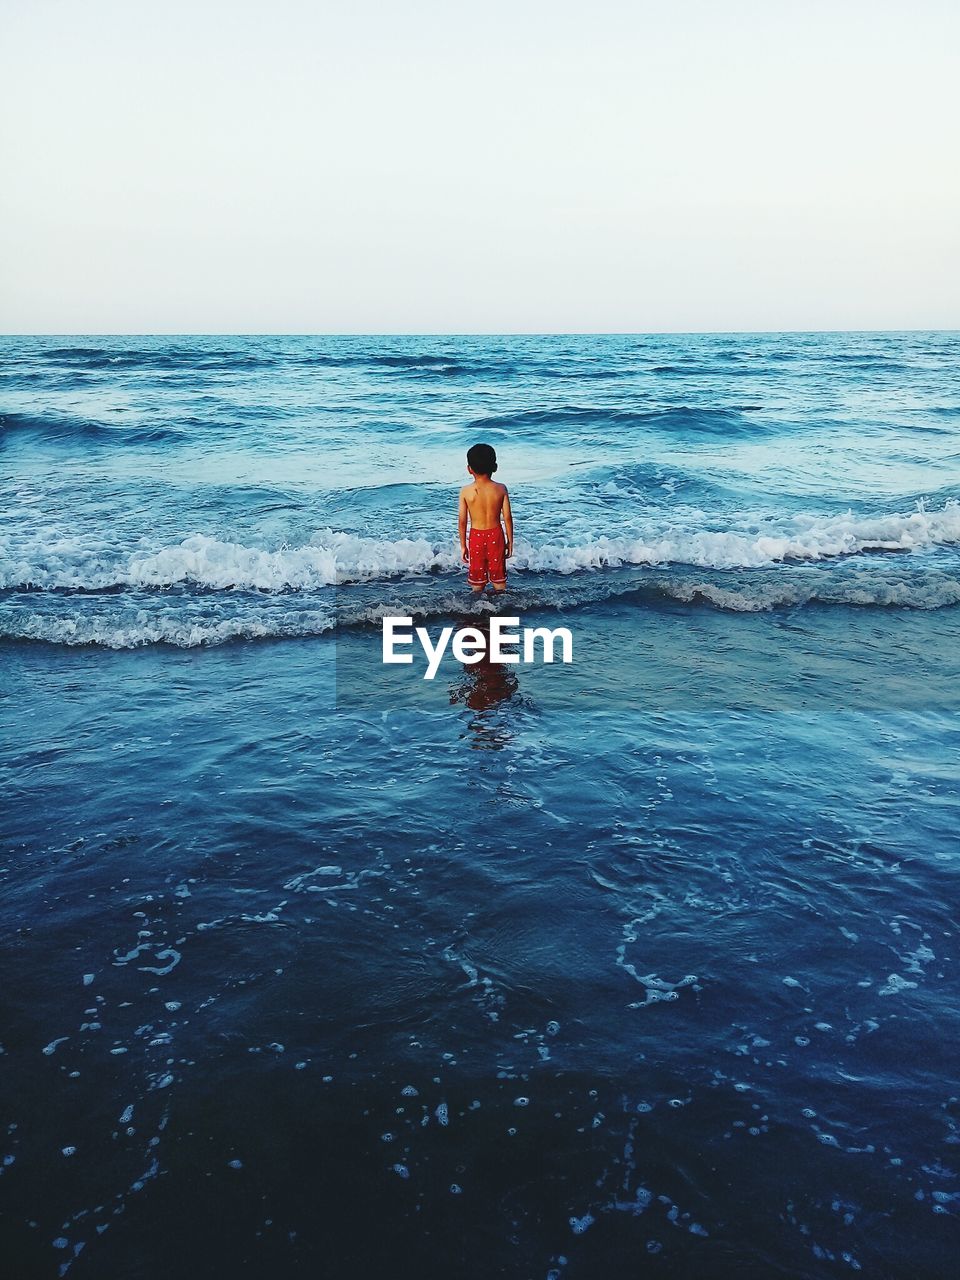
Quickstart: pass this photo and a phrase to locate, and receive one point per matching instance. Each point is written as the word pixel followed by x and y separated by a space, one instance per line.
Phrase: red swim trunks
pixel 488 554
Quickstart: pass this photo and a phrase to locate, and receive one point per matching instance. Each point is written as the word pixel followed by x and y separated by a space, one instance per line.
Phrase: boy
pixel 484 500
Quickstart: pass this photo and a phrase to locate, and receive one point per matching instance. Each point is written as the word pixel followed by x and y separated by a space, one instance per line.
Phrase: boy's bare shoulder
pixel 467 488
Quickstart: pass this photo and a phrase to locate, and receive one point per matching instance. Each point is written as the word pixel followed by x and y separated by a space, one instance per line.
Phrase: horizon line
pixel 462 333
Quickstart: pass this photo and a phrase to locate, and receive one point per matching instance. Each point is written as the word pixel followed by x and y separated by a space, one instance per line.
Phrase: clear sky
pixel 505 166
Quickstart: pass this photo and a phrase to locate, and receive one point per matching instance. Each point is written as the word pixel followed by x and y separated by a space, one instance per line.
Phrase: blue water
pixel 644 966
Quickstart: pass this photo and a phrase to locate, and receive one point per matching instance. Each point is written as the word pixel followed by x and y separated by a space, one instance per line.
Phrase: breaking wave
pixel 65 590
pixel 188 620
pixel 62 561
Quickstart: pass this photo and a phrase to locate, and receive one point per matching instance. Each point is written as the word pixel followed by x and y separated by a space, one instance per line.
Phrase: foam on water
pixel 188 620
pixel 56 560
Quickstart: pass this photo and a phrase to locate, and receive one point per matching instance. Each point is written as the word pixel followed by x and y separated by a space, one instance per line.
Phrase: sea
pixel 642 965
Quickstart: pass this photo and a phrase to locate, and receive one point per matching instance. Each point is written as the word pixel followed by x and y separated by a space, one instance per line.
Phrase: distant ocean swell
pixel 676 419
pixel 93 359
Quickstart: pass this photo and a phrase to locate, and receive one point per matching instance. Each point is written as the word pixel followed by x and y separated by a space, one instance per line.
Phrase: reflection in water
pixel 485 685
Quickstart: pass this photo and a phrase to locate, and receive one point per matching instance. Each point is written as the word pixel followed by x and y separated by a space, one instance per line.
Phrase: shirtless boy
pixel 485 501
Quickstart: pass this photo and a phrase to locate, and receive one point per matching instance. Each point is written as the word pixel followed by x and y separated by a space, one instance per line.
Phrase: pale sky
pixel 429 166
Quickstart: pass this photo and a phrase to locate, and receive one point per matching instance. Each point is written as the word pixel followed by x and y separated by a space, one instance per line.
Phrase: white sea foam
pixel 52 559
pixel 132 632
pixel 804 538
pixel 929 592
pixel 66 562
pixel 178 595
pixel 116 624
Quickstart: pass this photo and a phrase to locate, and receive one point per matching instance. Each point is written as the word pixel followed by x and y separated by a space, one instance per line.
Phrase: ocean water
pixel 645 966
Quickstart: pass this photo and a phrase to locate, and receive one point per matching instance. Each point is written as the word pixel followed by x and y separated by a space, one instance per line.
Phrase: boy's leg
pixel 498 563
pixel 477 571
pixel 476 578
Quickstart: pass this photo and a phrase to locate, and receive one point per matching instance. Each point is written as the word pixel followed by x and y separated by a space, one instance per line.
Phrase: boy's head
pixel 482 459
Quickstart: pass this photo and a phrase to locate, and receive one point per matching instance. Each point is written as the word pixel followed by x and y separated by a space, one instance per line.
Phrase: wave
pixel 62 561
pixel 935 592
pixel 754 594
pixel 805 538
pixel 864 361
pixel 449 366
pixel 118 358
pixel 576 373
pixel 676 419
pixel 185 621
pixel 715 370
pixel 91 359
pixel 388 359
pixel 144 629
pixel 66 563
pixel 80 430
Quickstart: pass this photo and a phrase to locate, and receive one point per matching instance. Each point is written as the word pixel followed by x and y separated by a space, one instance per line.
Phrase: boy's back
pixel 484 498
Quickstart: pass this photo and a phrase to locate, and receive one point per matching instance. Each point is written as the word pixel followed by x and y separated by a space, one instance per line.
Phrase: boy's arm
pixel 462 527
pixel 508 521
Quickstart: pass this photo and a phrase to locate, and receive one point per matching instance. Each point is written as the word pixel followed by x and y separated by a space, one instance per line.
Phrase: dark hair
pixel 482 459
